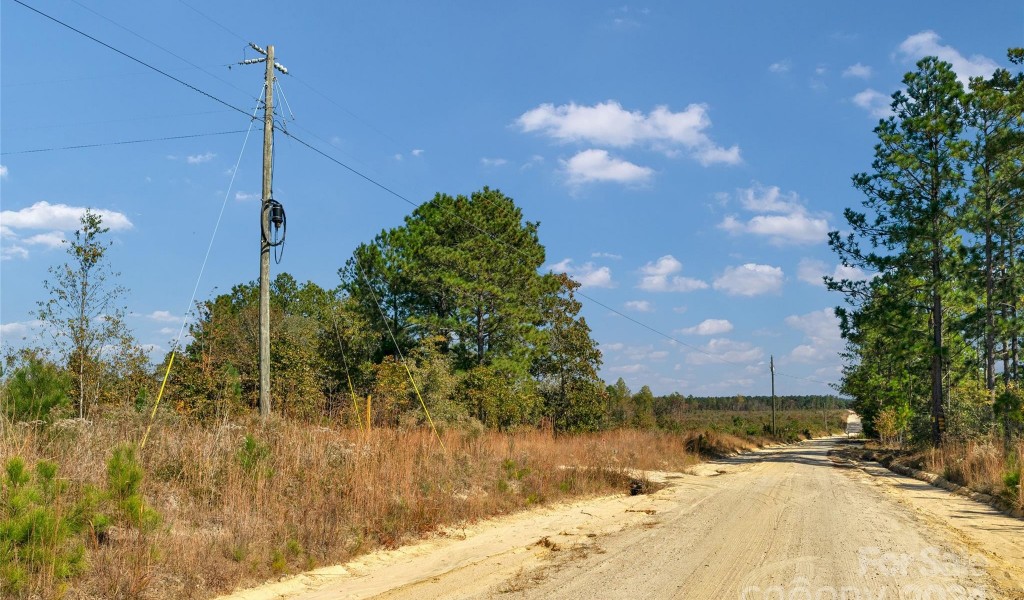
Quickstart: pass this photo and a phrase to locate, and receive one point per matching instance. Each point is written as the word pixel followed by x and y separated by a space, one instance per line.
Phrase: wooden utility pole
pixel 775 431
pixel 265 204
pixel 268 171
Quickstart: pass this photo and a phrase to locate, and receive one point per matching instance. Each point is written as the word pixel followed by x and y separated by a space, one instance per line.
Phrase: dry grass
pixel 988 466
pixel 244 502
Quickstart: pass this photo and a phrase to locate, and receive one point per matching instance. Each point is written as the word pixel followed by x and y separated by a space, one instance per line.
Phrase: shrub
pixel 36 389
pixel 40 546
pixel 252 457
pixel 124 480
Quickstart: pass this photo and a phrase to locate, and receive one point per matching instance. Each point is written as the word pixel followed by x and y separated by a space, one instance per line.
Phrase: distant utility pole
pixel 265 243
pixel 772 366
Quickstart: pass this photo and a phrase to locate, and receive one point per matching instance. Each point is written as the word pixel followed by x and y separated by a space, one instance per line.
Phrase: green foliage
pixel 1008 410
pixel 84 316
pixel 36 389
pixel 938 238
pixel 254 457
pixel 567 365
pixel 619 403
pixel 40 527
pixel 643 408
pixel 500 395
pixel 1012 481
pixel 124 483
pixel 440 286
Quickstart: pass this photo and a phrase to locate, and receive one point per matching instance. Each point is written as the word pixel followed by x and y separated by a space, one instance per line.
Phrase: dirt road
pixel 782 523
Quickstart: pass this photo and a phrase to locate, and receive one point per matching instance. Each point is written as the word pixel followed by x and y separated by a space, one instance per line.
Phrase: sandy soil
pixel 781 523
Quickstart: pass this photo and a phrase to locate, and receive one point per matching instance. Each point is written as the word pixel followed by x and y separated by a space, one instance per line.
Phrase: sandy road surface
pixel 782 523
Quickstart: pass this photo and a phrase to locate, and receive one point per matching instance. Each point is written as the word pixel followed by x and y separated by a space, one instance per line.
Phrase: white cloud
pixel 679 309
pixel 793 226
pixel 750 280
pixel 639 305
pixel 927 43
pixel 43 215
pixel 629 369
pixel 3 172
pixel 417 152
pixel 12 251
pixel 52 239
pixel 608 123
pixel 198 159
pixel 782 66
pixel 535 160
pixel 821 330
pixel 804 353
pixel 613 347
pixel 710 155
pixel 244 196
pixel 645 353
pixel 625 17
pixel 659 276
pixel 587 274
pixel 164 316
pixel 811 271
pixel 851 273
pixel 722 349
pixel 597 165
pixel 606 255
pixel 857 70
pixel 709 327
pixel 493 162
pixel 771 199
pixel 19 330
pixel 875 102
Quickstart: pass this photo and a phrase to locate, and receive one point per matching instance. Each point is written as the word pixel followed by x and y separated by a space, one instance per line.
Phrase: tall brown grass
pixel 986 466
pixel 246 501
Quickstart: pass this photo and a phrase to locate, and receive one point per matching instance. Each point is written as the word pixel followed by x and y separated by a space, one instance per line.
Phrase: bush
pixel 37 389
pixel 40 546
pixel 124 480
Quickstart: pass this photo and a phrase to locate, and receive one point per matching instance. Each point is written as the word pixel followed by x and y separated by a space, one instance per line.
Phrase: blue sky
pixel 685 160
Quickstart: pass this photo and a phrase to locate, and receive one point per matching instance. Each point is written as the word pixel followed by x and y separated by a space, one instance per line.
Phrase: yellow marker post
pixel 160 394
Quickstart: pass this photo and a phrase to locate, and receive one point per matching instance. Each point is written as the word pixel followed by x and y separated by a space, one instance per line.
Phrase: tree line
pixel 447 313
pixel 932 319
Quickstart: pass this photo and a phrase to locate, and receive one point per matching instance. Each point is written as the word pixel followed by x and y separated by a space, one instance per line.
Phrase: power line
pixel 211 19
pixel 347 111
pixel 518 251
pixel 296 78
pixel 199 278
pixel 107 121
pixel 151 42
pixel 345 166
pixel 132 58
pixel 123 142
pixel 116 75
